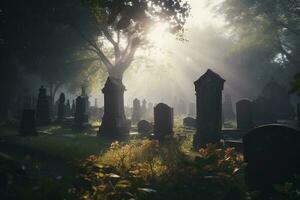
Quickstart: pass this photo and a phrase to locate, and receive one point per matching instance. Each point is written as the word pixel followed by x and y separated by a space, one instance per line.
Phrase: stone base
pixel 115 128
pixel 200 140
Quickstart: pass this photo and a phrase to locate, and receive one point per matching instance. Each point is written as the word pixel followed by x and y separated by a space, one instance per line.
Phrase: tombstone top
pixel 273 89
pixel 62 97
pixel 244 101
pixel 162 106
pixel 208 77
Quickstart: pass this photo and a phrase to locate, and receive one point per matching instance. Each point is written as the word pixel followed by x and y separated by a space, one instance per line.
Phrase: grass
pixel 58 142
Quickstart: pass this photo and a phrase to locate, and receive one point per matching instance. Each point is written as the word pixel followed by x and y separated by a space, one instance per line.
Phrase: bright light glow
pixel 159 34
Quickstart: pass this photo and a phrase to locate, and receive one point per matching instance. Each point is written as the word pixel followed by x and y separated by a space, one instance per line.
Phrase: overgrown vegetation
pixel 146 169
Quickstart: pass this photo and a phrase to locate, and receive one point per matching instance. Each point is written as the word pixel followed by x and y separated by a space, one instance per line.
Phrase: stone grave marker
pixel 163 121
pixel 272 154
pixel 209 109
pixel 43 108
pixel 244 114
pixel 144 127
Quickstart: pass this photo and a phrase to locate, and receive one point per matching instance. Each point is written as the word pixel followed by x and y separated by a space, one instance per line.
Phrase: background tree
pixel 272 26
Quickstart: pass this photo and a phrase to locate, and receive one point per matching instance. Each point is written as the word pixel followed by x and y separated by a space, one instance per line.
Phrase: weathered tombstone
pixel 272 154
pixel 85 97
pixel 163 121
pixel 73 108
pixel 81 116
pixel 114 123
pixel 209 109
pixel 192 110
pixel 144 109
pixel 189 122
pixel 278 100
pixel 181 108
pixel 263 113
pixel 61 113
pixel 144 127
pixel 136 111
pixel 96 103
pixel 150 111
pixel 227 111
pixel 27 124
pixel 68 108
pixel 244 114
pixel 43 108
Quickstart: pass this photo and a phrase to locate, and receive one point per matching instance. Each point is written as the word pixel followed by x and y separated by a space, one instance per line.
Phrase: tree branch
pixel 95 49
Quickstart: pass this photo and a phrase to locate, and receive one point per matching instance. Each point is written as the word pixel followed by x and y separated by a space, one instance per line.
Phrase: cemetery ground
pixel 62 163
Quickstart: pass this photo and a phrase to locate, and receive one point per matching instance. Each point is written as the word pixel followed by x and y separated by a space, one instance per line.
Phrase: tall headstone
pixel 209 109
pixel 68 109
pixel 73 108
pixel 181 108
pixel 228 113
pixel 144 109
pixel 244 114
pixel 150 111
pixel 96 103
pixel 61 113
pixel 114 123
pixel 163 121
pixel 43 108
pixel 27 124
pixel 136 111
pixel 85 97
pixel 81 115
pixel 272 154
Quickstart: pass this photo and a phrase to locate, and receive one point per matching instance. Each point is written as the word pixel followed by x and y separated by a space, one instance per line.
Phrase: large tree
pixel 123 26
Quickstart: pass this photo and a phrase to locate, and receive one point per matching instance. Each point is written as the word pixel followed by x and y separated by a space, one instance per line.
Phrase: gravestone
pixel 144 127
pixel 189 122
pixel 228 113
pixel 244 114
pixel 68 108
pixel 192 110
pixel 150 111
pixel 144 109
pixel 263 112
pixel 209 109
pixel 278 101
pixel 181 108
pixel 43 108
pixel 27 124
pixel 73 108
pixel 81 116
pixel 272 154
pixel 163 121
pixel 136 111
pixel 114 123
pixel 61 113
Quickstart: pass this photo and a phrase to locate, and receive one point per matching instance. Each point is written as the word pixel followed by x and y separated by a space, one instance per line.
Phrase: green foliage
pixel 122 14
pixel 145 169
